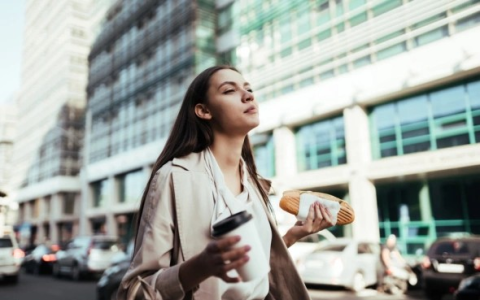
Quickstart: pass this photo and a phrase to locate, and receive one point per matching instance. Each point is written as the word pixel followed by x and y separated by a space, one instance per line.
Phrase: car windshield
pixel 6 243
pixel 452 248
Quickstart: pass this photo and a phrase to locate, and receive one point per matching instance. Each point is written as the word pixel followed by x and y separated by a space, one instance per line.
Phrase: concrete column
pixel 53 231
pixel 56 205
pixel 361 190
pixel 364 202
pixel 285 152
pixel 111 224
pixel 40 238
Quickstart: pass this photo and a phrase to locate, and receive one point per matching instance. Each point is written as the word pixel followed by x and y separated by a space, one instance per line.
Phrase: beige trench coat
pixel 150 275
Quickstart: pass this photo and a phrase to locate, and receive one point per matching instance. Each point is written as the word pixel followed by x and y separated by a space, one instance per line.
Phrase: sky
pixel 11 40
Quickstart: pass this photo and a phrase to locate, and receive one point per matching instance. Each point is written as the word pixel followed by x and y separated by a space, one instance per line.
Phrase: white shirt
pixel 227 204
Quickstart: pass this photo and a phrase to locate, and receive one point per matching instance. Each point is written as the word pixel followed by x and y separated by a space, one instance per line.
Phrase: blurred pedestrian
pixel 391 262
pixel 205 173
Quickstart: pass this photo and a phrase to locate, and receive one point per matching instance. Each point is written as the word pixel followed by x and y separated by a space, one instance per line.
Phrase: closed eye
pixel 228 91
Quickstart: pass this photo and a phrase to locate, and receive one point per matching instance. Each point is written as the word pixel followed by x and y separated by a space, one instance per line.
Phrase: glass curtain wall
pixel 265 157
pixel 434 120
pixel 280 31
pixel 321 144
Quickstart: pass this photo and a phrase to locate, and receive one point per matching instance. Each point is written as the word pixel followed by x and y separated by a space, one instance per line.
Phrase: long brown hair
pixel 192 134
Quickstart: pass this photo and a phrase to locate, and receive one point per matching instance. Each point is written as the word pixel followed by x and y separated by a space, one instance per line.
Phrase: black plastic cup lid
pixel 231 223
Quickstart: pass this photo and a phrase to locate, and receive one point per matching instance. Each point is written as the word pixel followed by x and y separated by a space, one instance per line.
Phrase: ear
pixel 202 112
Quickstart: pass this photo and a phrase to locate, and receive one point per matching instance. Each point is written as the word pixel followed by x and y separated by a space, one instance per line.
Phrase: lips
pixel 251 109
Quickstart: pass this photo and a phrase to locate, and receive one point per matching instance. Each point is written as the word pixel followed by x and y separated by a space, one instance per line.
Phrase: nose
pixel 247 96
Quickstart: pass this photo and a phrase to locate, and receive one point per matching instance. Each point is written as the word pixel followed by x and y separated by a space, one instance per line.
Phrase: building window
pixel 131 186
pixel 100 193
pixel 439 119
pixel 265 157
pixel 385 6
pixel 69 203
pixel 321 144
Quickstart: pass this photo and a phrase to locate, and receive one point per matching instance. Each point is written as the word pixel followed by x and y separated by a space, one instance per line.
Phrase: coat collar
pixel 191 162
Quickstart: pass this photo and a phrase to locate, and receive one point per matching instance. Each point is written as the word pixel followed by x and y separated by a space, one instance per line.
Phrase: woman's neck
pixel 227 151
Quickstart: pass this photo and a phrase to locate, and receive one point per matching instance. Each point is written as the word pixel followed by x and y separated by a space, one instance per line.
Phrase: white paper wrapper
pixel 307 199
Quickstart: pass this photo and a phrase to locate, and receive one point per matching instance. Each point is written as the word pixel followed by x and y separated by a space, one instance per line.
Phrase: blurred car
pixel 308 244
pixel 41 259
pixel 86 255
pixel 11 257
pixel 343 262
pixel 469 288
pixel 449 260
pixel 108 284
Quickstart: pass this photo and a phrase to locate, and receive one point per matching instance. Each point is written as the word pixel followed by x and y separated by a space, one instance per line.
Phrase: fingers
pixel 222 244
pixel 222 257
pixel 326 214
pixel 318 212
pixel 235 254
pixel 311 215
pixel 323 217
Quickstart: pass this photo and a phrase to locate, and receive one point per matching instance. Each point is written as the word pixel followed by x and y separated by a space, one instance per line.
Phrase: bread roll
pixel 290 203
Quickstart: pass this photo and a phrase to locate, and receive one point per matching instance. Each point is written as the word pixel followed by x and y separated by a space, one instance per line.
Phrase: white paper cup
pixel 242 224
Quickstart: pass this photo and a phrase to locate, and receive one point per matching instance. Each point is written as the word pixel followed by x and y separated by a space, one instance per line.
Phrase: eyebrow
pixel 232 83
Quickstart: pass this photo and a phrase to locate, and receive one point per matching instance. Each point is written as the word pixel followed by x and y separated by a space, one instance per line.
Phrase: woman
pixel 205 173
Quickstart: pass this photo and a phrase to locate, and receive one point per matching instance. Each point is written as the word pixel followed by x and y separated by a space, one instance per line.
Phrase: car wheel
pixel 433 294
pixel 358 282
pixel 56 270
pixel 12 279
pixel 76 275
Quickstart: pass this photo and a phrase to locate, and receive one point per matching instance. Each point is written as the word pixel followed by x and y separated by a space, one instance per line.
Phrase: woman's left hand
pixel 318 219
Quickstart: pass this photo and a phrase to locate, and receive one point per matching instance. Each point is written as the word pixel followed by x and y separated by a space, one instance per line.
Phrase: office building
pixel 51 104
pixel 376 102
pixel 140 66
pixel 7 133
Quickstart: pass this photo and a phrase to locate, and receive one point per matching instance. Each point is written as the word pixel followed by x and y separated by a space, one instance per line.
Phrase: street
pixel 46 287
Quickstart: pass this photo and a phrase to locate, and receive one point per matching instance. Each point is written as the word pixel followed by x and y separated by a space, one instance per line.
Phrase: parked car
pixel 108 284
pixel 469 288
pixel 308 244
pixel 11 257
pixel 86 255
pixel 41 259
pixel 343 262
pixel 449 260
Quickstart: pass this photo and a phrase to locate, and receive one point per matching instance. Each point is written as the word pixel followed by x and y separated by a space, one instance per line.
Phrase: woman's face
pixel 230 104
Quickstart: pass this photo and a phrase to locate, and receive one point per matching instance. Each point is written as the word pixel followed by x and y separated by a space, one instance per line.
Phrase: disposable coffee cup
pixel 242 224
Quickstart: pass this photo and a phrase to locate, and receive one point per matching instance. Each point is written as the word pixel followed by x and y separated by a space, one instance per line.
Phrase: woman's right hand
pixel 219 258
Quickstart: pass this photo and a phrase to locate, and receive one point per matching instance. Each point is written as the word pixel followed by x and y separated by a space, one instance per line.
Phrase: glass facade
pixel 433 120
pixel 140 67
pixel 265 157
pixel 131 186
pixel 280 31
pixel 419 212
pixel 321 144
